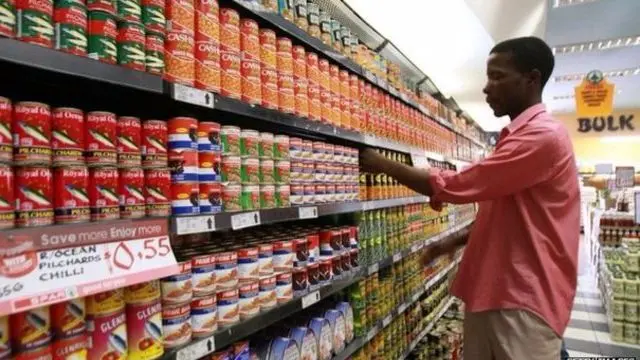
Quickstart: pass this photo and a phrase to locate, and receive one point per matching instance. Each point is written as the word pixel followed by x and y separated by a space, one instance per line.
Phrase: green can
pixel 267 172
pixel 70 19
pixel 230 139
pixel 250 198
pixel 7 18
pixel 34 22
pixel 249 140
pixel 266 146
pixel 131 45
pixel 617 331
pixel 129 10
pixel 154 53
pixel 267 196
pixel 618 309
pixel 630 333
pixel 249 171
pixel 102 31
pixel 283 192
pixel 631 287
pixel 282 170
pixel 631 311
pixel 153 16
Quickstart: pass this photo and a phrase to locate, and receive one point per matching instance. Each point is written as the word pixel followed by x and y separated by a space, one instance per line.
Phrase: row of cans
pixel 32 133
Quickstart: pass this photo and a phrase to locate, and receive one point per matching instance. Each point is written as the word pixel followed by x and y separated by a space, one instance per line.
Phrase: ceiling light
pixel 609 74
pixel 598 45
pixel 619 139
pixel 563 3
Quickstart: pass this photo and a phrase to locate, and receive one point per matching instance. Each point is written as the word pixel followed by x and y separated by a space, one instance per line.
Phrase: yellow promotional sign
pixel 594 96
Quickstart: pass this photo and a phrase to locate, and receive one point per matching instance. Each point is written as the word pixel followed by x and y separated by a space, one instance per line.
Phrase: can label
pixel 250 197
pixel 207 21
pixel 103 194
pixel 176 325
pixel 267 172
pixel 35 22
pixel 248 266
pixel 157 184
pixel 183 133
pixel 208 136
pixel 154 143
pixel 231 169
pixel 144 330
pixel 267 294
pixel 153 16
pixel 249 301
pixel 265 259
pixel 129 10
pixel 7 198
pixel 265 146
pixel 283 193
pixel 102 31
pixel 281 148
pixel 301 89
pixel 209 167
pixel 210 198
pixel 32 133
pixel 129 142
pixel 268 48
pixel 283 255
pixel 204 316
pixel 251 77
pixel 180 15
pixel 71 199
pixel 6 138
pixel 228 309
pixel 69 348
pixel 207 66
pixel 67 136
pixel 26 334
pixel 230 78
pixel 101 137
pixel 179 57
pixel 203 274
pixel 269 87
pixel 249 39
pixel 249 171
pixel 185 198
pixel 183 164
pixel 315 105
pixel 286 96
pixel 132 199
pixel 131 43
pixel 103 330
pixel 284 287
pixel 282 172
pixel 7 29
pixel 154 53
pixel 231 197
pixel 107 6
pixel 229 30
pixel 177 289
pixel 34 196
pixel 71 29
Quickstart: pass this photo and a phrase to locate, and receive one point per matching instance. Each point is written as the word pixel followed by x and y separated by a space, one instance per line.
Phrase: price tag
pixel 372 333
pixel 423 109
pixel 416 247
pixel 369 205
pixel 369 75
pixel 245 220
pixel 310 299
pixel 415 297
pixel 197 349
pixel 373 269
pixel 192 96
pixel 386 321
pixel 308 212
pixel 397 257
pixel 383 83
pixel 393 91
pixel 402 308
pixel 195 224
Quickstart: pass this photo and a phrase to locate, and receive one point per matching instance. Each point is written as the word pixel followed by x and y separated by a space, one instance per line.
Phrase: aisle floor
pixel 588 331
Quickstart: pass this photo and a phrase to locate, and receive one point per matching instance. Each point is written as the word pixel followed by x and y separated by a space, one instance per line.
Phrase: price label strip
pixel 245 220
pixel 193 96
pixel 197 350
pixel 310 299
pixel 373 269
pixel 195 224
pixel 308 212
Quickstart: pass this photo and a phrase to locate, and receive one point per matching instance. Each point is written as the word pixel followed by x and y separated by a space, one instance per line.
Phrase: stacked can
pixel 180 43
pixel 282 170
pixel 284 62
pixel 144 320
pixel 154 21
pixel 70 29
pixel 107 325
pixel 301 87
pixel 208 45
pixel 176 296
pixel 102 31
pixel 345 99
pixel 230 84
pixel 183 164
pixel 334 84
pixel 325 91
pixel 69 329
pixel 250 61
pixel 313 76
pixel 209 158
pixel 157 177
pixel 34 19
pixel 249 169
pixel 268 69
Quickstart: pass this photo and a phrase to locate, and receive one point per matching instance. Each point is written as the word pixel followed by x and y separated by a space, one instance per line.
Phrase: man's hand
pixel 371 161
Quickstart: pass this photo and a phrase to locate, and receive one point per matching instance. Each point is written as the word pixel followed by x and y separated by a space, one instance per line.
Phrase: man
pixel 519 270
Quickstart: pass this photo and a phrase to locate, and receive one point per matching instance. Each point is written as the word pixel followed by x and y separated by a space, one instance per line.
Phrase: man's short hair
pixel 529 53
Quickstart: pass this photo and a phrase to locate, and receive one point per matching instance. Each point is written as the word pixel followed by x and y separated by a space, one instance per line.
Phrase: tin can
pixel 130 189
pixel 295 149
pixel 183 164
pixel 179 59
pixel 207 66
pixel 7 29
pixel 154 143
pixel 228 307
pixel 283 256
pixel 248 299
pixel 265 259
pixel 251 81
pixel 230 138
pixel 68 348
pixel 108 6
pixel 31 133
pixel 183 133
pixel 6 137
pixel 282 172
pixel 250 197
pixel 248 265
pixel 249 171
pixel 129 10
pixel 208 21
pixel 281 147
pixel 267 172
pixel 267 292
pixel 108 336
pixel 249 140
pixel 34 196
pixel 103 194
pixel 267 197
pixel 203 274
pixel 131 44
pixel 301 250
pixel 210 198
pixel 313 271
pixel 269 87
pixel 230 83
pixel 209 167
pixel 104 303
pixel 326 269
pixel 102 32
pixel 145 330
pixel 353 257
pixel 35 22
pixel 299 63
pixel 129 141
pixel 226 270
pixel 231 197
pixel 249 39
pixel 300 90
pixel 284 287
pixel 70 28
pixel 230 170
pixel 180 15
pixel 284 55
pixel 178 288
pixel 176 325
pixel 209 136
pixel 185 198
pixel 100 138
pixel 71 200
pixel 300 281
pixel 157 183
pixel 229 30
pixel 283 193
pixel 309 194
pixel 315 105
pixel 286 95
pixel 30 329
pixel 7 197
pixel 67 136
pixel 153 16
pixel 268 48
pixel 204 316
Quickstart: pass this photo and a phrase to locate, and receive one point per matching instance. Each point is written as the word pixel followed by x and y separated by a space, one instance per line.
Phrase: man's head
pixel 517 71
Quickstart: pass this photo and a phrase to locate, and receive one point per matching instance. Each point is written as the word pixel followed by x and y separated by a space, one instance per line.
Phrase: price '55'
pixel 155 247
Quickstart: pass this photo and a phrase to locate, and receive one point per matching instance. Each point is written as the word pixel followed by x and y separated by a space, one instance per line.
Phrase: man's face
pixel 506 86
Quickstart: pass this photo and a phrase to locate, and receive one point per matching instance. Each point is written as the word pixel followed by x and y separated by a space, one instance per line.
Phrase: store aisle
pixel 588 331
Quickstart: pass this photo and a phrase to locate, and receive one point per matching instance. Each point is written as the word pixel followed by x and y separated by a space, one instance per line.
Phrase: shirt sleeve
pixel 520 161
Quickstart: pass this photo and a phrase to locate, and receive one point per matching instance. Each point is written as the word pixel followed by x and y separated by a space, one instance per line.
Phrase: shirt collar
pixel 523 119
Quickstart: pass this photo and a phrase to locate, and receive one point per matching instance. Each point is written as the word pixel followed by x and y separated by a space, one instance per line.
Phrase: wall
pixel 607 139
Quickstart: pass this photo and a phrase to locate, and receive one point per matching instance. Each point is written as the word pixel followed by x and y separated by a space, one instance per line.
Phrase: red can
pixel 269 84
pixel 251 87
pixel 154 143
pixel 286 96
pixel 249 39
pixel 229 30
pixel 207 21
pixel 157 185
pixel 71 200
pixel 268 48
pixel 31 133
pixel 326 108
pixel 315 106
pixel 313 71
pixel 180 16
pixel 34 196
pixel 100 138
pixel 7 29
pixel 230 79
pixel 208 66
pixel 301 89
pixel 209 166
pixel 179 58
pixel 6 139
pixel 7 198
pixel 299 62
pixel 103 194
pixel 67 136
pixel 130 188
pixel 210 198
pixel 26 10
pixel 129 141
pixel 284 55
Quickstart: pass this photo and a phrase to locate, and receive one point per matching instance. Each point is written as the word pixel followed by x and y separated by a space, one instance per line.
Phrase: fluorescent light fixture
pixel 620 139
pixel 598 45
pixel 563 3
pixel 609 74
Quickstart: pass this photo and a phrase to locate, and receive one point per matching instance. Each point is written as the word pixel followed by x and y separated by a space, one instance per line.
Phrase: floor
pixel 588 331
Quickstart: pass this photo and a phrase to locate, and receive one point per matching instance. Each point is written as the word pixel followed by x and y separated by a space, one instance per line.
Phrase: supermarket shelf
pixel 224 221
pixel 358 343
pixel 429 327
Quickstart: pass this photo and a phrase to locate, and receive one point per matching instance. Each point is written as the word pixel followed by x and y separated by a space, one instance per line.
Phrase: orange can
pixel 286 96
pixel 207 66
pixel 229 30
pixel 313 71
pixel 355 114
pixel 335 109
pixel 179 59
pixel 284 55
pixel 301 89
pixel 326 109
pixel 230 84
pixel 180 16
pixel 325 75
pixel 354 88
pixel 345 85
pixel 251 77
pixel 250 39
pixel 268 48
pixel 315 112
pixel 269 85
pixel 345 112
pixel 207 21
pixel 299 63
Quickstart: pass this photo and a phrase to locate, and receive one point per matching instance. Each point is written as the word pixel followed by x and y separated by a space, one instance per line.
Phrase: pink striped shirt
pixel 522 252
